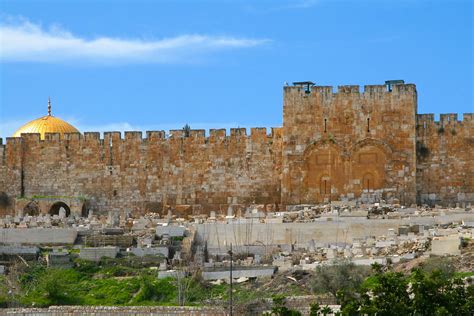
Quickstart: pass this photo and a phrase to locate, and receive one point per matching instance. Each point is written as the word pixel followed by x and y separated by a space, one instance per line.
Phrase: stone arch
pixel 55 207
pixel 32 209
pixel 369 159
pixel 370 142
pixel 326 142
pixel 323 175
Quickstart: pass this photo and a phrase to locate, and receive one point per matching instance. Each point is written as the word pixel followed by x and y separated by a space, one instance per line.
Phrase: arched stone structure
pixel 32 209
pixel 55 207
pixel 369 160
pixel 46 204
pixel 332 172
pixel 324 171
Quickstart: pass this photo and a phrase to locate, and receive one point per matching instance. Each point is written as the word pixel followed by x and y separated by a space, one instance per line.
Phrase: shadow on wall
pixel 32 209
pixel 5 203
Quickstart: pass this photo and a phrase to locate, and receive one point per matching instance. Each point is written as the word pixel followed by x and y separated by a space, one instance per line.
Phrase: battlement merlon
pixel 116 137
pixel 444 119
pixel 91 136
pixel 133 135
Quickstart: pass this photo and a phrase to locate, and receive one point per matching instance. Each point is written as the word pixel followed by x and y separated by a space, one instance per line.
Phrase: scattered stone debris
pixel 279 245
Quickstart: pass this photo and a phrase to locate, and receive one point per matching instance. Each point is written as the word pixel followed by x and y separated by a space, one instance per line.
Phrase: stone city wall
pixel 445 156
pixel 346 145
pixel 338 145
pixel 192 173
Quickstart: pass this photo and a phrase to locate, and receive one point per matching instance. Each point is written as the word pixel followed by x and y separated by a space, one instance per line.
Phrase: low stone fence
pixel 122 241
pixel 115 310
pixel 38 236
pixel 256 308
pixel 97 253
pixel 238 272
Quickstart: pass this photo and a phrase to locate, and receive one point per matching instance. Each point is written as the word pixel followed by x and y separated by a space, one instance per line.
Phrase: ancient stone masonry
pixel 350 143
pixel 191 172
pixel 365 145
pixel 445 159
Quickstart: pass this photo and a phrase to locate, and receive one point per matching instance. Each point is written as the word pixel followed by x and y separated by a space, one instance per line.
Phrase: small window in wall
pixel 325 125
pixel 115 192
pixel 368 125
pixel 368 182
pixel 325 185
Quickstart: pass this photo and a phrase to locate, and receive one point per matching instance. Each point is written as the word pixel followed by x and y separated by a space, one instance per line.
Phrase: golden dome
pixel 46 124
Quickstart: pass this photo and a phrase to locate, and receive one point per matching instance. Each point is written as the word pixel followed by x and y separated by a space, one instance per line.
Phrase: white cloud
pixel 26 41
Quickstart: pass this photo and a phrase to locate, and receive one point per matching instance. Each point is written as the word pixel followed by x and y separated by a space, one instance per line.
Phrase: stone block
pixel 238 272
pixel 96 253
pixel 150 251
pixel 448 245
pixel 170 230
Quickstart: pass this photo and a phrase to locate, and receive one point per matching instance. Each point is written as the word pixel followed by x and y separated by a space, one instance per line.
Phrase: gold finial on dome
pixel 46 124
pixel 49 106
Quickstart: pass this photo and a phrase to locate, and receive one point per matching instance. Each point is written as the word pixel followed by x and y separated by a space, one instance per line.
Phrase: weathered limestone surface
pixel 96 253
pixel 343 145
pixel 136 174
pixel 338 145
pixel 448 245
pixel 36 236
pixel 238 272
pixel 445 150
pixel 221 235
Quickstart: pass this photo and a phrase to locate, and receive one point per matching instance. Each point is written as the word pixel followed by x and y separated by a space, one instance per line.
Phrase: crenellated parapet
pixel 350 142
pixel 116 147
pixel 149 136
pixel 370 91
pixel 447 120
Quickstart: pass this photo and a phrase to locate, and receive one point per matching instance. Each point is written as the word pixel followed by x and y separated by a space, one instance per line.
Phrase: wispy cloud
pixel 23 40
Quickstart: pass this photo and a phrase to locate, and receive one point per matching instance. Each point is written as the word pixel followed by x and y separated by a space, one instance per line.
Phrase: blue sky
pixel 153 65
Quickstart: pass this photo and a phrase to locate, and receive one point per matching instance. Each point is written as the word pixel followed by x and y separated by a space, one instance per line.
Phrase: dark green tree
pixel 342 279
pixel 280 309
pixel 186 130
pixel 420 293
